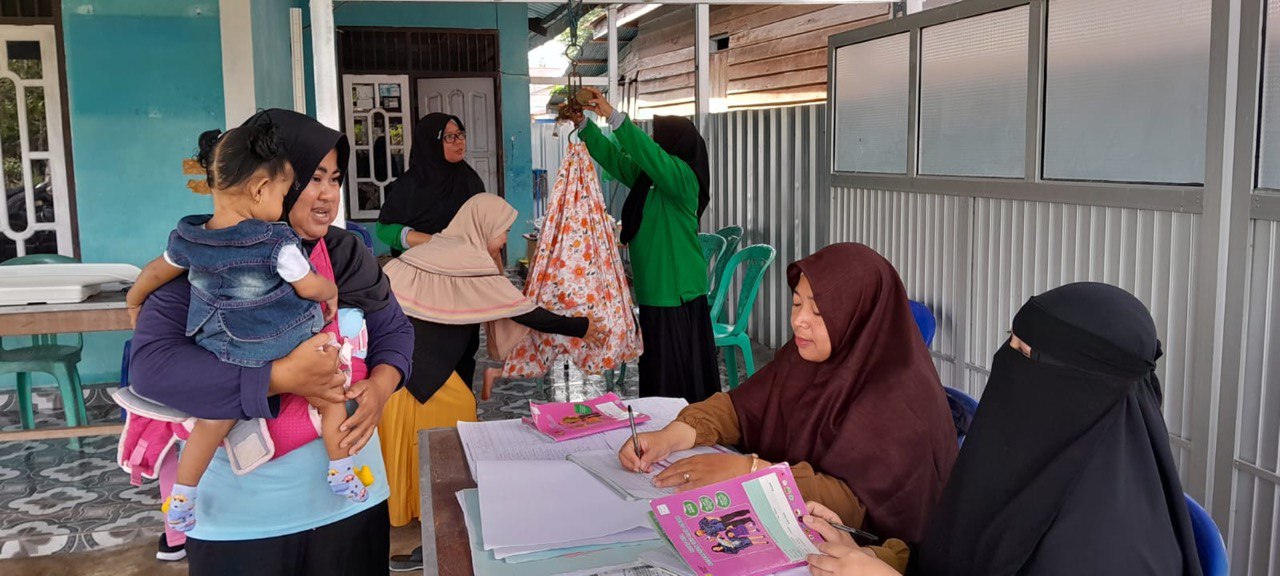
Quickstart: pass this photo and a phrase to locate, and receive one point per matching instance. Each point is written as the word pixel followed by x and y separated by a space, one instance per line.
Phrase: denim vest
pixel 241 309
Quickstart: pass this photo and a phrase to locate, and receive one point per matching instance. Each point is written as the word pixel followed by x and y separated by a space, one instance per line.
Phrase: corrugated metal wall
pixel 918 233
pixel 767 175
pixel 1021 249
pixel 1255 516
pixel 975 282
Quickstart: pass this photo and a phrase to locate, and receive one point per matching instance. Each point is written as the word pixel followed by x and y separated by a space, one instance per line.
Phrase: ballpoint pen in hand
pixel 854 531
pixel 635 438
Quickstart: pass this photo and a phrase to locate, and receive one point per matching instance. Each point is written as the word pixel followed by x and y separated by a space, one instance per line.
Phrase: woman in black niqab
pixel 1067 468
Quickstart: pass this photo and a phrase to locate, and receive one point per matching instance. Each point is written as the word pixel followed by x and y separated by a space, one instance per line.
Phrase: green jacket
pixel 666 258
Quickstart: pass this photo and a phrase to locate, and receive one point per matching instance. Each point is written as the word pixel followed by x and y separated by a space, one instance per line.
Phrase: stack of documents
pixel 533 507
pixel 535 512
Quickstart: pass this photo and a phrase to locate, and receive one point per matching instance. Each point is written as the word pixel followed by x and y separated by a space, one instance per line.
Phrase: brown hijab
pixel 874 414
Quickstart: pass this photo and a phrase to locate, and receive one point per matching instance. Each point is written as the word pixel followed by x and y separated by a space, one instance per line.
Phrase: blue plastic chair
pixel 1209 544
pixel 963 406
pixel 924 319
pixel 362 233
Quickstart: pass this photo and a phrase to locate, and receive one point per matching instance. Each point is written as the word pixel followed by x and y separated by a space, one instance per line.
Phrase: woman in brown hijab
pixel 853 403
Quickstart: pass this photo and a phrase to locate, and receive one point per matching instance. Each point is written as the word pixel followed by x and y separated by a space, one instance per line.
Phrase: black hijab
pixel 429 194
pixel 306 141
pixel 678 137
pixel 1067 468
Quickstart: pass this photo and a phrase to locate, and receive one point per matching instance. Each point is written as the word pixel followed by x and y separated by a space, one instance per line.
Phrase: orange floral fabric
pixel 578 272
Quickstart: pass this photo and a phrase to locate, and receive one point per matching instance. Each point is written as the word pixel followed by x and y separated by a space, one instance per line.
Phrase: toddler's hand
pixel 331 309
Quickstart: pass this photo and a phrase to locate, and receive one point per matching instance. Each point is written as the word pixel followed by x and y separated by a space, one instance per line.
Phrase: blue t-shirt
pixel 284 496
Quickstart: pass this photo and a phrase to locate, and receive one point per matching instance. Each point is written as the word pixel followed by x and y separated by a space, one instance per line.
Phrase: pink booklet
pixel 741 527
pixel 568 420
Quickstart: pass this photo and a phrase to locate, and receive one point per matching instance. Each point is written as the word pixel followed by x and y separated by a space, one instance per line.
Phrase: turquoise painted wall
pixel 511 21
pixel 144 78
pixel 272 61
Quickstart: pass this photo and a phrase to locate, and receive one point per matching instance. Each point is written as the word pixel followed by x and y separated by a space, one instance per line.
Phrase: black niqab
pixel 1067 468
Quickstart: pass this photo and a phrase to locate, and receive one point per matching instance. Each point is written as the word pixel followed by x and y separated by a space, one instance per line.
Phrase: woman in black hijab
pixel 360 281
pixel 1067 468
pixel 425 199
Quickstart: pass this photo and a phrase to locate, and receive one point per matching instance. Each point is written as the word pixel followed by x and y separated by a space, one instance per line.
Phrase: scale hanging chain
pixel 573 50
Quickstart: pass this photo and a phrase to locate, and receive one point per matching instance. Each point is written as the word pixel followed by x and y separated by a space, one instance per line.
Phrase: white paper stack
pixel 535 506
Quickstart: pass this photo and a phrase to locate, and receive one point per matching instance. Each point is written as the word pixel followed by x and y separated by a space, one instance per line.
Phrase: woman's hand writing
pixel 654 446
pixel 697 471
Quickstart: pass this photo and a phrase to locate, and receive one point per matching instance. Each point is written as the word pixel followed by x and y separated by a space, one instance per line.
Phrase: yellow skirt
pixel 402 418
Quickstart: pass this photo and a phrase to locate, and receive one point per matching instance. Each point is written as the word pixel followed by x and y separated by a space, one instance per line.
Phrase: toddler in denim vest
pixel 254 293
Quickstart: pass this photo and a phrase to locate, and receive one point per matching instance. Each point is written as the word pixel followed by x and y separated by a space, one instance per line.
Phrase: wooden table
pixel 442 472
pixel 102 312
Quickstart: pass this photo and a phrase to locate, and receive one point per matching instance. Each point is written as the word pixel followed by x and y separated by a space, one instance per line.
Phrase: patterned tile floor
pixel 56 500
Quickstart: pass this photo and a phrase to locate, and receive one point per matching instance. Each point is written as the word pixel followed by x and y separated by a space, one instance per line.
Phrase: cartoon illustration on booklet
pixel 745 526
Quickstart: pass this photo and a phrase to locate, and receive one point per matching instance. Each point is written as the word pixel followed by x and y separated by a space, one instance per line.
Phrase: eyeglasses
pixel 456 136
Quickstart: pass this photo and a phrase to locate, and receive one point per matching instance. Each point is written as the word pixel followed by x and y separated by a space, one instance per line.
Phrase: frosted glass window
pixel 871 105
pixel 1269 169
pixel 973 95
pixel 1126 90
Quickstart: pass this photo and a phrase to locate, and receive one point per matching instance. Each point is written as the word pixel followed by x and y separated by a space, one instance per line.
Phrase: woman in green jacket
pixel 669 178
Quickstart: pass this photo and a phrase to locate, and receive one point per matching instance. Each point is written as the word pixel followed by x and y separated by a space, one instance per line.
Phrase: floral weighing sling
pixel 578 272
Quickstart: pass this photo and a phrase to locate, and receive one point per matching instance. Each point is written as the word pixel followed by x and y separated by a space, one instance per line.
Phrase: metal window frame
pixel 1264 202
pixel 1172 197
pixel 1226 202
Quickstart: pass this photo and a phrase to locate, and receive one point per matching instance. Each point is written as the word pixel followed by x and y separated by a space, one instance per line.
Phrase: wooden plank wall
pixel 777 55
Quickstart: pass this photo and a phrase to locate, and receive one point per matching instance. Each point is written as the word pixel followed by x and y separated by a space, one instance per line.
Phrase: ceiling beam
pixel 627 15
pixel 547 25
pixel 537 27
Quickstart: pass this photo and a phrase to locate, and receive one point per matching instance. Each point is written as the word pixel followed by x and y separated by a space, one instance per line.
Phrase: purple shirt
pixel 164 358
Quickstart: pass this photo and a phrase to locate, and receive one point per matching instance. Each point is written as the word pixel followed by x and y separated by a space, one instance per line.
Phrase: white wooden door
pixel 472 100
pixel 381 129
pixel 35 216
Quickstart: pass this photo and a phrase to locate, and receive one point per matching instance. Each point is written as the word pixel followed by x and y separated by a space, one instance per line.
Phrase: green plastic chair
pixel 46 354
pixel 732 236
pixel 712 252
pixel 756 260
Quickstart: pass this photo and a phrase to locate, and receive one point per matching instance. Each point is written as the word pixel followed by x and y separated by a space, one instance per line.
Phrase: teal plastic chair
pixel 732 236
pixel 712 252
pixel 756 260
pixel 48 355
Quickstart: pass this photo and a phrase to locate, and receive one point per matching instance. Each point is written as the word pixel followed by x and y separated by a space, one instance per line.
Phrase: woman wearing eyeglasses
pixel 439 181
pixel 419 205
